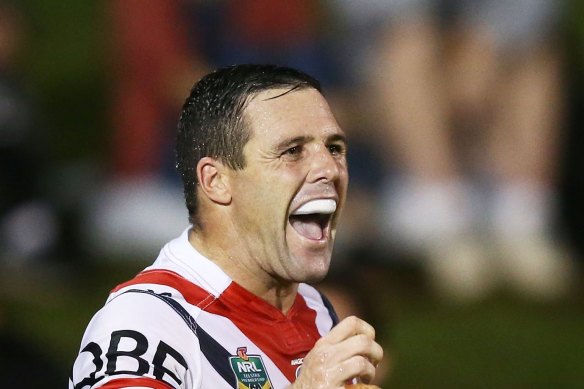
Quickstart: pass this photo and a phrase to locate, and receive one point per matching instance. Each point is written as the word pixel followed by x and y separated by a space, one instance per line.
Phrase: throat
pixel 283 299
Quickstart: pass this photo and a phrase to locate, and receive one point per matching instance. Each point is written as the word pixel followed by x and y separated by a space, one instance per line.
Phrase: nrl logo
pixel 249 370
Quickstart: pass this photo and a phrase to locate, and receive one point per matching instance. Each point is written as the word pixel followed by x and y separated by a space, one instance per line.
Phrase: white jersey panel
pixel 123 340
pixel 314 300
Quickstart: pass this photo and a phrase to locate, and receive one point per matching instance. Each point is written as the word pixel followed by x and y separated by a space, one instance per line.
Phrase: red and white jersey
pixel 183 323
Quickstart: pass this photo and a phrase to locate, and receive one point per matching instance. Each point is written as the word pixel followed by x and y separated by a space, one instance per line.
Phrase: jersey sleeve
pixel 139 339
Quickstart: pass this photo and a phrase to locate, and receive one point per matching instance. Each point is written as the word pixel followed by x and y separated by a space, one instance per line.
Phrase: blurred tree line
pixel 64 63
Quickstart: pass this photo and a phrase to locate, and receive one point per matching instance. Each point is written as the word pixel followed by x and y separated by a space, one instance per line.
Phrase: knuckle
pixel 379 350
pixel 362 363
pixel 372 329
pixel 364 342
pixel 354 322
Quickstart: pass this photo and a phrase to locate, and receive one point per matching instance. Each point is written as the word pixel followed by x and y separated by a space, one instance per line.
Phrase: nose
pixel 324 166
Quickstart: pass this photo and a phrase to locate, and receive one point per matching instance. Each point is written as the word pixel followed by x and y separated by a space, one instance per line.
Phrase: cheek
pixel 283 184
pixel 265 201
pixel 343 182
pixel 268 192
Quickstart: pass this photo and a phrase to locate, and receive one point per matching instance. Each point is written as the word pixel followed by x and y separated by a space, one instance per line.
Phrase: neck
pixel 244 271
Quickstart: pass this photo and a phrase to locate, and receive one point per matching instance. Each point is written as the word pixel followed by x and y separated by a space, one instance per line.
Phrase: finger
pixel 354 367
pixel 358 345
pixel 365 346
pixel 348 327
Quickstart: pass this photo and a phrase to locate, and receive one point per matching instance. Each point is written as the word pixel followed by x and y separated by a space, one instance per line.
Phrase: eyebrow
pixel 304 139
pixel 338 138
pixel 292 141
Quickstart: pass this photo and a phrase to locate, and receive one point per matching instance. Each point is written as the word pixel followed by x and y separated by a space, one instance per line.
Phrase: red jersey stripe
pixel 194 294
pixel 133 382
pixel 154 276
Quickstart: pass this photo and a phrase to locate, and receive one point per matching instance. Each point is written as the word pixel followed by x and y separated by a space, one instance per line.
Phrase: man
pixel 263 162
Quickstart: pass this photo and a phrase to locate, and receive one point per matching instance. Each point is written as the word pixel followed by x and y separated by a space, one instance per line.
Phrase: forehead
pixel 280 112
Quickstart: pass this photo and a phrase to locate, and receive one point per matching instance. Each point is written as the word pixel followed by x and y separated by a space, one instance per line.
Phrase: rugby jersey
pixel 183 323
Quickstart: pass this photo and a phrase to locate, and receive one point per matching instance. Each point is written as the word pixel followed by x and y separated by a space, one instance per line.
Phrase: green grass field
pixel 500 343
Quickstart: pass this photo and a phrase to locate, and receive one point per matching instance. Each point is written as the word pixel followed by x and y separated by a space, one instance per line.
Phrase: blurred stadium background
pixel 88 95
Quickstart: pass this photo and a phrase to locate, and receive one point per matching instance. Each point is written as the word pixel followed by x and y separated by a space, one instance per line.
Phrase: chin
pixel 305 277
pixel 314 278
pixel 313 269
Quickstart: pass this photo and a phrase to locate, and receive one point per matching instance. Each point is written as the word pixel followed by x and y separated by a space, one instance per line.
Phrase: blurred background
pixel 463 237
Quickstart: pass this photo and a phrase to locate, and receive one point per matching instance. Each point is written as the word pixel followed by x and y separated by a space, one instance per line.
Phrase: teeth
pixel 326 206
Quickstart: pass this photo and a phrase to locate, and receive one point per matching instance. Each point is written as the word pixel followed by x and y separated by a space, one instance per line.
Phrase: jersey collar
pixel 192 265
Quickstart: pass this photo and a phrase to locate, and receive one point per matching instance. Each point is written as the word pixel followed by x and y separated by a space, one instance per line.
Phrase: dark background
pixel 503 342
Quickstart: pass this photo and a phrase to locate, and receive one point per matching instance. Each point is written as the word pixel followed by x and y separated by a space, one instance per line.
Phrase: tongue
pixel 308 228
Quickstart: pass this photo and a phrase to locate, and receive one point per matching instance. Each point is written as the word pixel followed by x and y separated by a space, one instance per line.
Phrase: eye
pixel 295 150
pixel 336 149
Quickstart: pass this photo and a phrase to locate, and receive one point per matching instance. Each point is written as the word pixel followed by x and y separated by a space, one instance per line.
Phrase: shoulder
pixel 144 332
pixel 147 309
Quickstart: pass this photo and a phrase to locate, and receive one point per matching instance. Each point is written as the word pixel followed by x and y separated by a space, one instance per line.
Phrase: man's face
pixel 288 198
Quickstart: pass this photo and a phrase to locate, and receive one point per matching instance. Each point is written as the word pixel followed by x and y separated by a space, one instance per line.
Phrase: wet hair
pixel 213 123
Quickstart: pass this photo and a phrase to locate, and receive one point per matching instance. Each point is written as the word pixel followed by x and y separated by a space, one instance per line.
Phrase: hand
pixel 348 351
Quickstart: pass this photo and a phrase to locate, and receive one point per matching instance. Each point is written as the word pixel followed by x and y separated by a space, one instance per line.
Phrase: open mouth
pixel 312 220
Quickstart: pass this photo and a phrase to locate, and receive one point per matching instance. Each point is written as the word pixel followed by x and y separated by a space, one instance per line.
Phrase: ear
pixel 213 180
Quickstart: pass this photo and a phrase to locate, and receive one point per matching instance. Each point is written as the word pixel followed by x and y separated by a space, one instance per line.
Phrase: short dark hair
pixel 212 122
